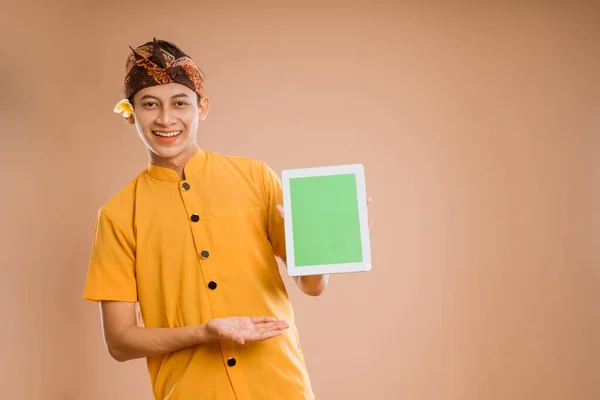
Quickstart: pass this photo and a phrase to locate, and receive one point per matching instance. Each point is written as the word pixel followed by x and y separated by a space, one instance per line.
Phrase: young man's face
pixel 167 116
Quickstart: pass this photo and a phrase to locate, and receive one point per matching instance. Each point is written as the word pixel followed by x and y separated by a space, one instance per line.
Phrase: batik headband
pixel 149 65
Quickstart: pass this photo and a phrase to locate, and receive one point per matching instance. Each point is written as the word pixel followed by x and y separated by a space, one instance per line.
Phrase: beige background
pixel 477 125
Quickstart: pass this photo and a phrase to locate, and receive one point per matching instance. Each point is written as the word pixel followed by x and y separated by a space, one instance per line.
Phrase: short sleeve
pixel 275 223
pixel 111 273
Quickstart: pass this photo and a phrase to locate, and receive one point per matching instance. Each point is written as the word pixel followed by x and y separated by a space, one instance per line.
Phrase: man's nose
pixel 165 117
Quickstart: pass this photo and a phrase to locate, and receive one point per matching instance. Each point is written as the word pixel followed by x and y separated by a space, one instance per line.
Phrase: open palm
pixel 245 329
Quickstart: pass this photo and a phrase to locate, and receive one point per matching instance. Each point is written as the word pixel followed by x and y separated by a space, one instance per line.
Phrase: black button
pixel 195 217
pixel 204 254
pixel 231 362
pixel 186 186
pixel 212 285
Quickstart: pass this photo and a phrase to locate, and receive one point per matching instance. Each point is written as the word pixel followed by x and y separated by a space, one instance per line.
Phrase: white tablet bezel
pixel 358 171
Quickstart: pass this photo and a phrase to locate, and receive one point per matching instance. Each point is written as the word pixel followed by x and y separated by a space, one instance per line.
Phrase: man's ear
pixel 130 120
pixel 203 106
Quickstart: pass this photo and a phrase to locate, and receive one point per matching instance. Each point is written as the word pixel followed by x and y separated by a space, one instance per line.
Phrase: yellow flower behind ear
pixel 124 107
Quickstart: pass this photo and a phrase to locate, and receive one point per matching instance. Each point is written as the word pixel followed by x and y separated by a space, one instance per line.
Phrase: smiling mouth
pixel 167 134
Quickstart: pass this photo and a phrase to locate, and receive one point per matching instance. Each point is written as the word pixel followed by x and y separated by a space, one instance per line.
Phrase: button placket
pixel 230 353
pixel 192 206
pixel 204 253
pixel 185 186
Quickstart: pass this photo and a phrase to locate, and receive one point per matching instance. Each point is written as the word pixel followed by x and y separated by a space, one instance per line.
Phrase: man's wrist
pixel 204 335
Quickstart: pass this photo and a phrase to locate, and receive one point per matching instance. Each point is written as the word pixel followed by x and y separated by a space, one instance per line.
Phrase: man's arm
pixel 311 285
pixel 127 341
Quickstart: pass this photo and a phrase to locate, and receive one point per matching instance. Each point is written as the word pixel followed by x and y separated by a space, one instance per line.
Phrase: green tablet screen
pixel 325 220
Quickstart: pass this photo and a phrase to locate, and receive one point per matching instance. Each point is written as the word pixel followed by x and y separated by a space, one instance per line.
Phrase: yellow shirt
pixel 198 249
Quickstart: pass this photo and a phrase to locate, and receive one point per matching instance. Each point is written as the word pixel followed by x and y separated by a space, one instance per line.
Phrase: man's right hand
pixel 245 329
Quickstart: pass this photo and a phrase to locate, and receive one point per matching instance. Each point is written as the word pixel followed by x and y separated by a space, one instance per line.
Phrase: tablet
pixel 326 222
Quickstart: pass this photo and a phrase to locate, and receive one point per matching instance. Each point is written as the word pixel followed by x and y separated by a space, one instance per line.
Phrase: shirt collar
pixel 170 175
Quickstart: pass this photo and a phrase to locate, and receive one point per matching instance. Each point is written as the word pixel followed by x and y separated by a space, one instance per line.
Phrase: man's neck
pixel 176 163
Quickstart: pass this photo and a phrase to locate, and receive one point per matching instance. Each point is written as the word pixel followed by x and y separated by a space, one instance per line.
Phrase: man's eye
pixel 149 104
pixel 181 103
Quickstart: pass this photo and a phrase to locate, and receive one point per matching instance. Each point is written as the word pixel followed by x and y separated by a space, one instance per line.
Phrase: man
pixel 192 240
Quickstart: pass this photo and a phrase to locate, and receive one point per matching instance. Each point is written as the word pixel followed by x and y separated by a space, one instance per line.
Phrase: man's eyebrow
pixel 149 96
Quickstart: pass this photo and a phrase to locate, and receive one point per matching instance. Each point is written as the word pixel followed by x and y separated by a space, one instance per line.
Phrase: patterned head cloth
pixel 160 63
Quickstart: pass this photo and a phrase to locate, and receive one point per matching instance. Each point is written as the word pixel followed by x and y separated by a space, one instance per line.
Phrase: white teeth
pixel 164 134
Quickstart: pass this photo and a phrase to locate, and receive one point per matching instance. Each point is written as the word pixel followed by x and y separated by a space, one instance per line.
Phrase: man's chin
pixel 166 153
pixel 170 151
